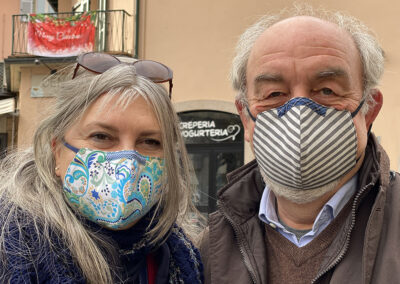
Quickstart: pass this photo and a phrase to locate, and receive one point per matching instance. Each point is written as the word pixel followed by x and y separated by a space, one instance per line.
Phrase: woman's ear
pixel 56 154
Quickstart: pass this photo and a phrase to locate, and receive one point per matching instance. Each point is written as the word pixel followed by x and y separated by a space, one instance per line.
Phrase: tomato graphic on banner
pixel 54 37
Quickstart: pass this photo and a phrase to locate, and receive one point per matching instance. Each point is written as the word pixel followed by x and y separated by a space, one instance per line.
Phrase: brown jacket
pixel 366 249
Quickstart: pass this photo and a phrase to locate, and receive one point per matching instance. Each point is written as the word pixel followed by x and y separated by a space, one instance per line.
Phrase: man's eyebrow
pixel 332 73
pixel 268 77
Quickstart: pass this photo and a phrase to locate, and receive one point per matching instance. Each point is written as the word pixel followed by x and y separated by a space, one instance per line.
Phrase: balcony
pixel 114 32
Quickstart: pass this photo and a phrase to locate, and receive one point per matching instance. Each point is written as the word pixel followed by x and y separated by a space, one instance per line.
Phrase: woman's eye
pixel 149 146
pixel 152 142
pixel 100 137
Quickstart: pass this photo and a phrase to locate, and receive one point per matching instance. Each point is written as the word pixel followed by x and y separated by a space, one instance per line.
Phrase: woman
pixel 104 194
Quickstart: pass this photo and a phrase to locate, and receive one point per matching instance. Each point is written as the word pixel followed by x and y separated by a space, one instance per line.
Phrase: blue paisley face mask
pixel 113 189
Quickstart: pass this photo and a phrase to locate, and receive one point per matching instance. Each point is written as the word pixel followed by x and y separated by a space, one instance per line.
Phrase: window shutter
pixel 26 7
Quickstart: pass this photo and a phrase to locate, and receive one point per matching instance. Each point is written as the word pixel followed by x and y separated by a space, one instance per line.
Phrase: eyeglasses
pixel 101 62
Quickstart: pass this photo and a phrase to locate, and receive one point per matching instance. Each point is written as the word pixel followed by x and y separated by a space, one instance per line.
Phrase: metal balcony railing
pixel 115 31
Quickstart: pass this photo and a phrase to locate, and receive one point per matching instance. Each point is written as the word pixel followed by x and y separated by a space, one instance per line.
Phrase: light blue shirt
pixel 329 211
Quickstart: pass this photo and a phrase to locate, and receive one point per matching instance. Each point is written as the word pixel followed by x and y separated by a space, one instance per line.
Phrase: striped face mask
pixel 304 145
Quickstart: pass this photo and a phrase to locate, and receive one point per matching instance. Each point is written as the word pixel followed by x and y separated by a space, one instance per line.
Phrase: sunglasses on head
pixel 101 62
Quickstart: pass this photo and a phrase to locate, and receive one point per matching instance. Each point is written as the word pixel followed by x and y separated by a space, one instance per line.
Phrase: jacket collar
pixel 240 198
pixel 376 165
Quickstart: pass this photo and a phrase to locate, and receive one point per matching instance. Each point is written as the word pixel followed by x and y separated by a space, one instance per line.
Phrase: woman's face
pixel 109 128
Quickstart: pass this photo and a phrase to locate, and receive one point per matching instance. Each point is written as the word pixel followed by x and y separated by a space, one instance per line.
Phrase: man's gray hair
pixel 371 53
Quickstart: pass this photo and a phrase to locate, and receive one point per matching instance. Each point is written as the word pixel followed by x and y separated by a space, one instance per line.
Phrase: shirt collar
pixel 342 196
pixel 267 211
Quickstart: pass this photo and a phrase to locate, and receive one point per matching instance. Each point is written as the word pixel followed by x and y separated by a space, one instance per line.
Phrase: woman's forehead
pixel 120 113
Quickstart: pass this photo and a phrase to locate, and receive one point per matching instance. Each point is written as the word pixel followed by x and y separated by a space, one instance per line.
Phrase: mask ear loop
pixel 354 113
pixel 72 148
pixel 251 116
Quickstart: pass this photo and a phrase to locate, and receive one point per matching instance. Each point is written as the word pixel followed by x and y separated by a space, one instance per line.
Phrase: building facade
pixel 196 39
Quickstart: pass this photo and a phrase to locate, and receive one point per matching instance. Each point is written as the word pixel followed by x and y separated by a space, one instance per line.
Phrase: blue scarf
pixel 180 262
pixel 183 264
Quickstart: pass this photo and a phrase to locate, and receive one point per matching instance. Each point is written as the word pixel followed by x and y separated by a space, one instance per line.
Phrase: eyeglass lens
pixel 155 71
pixel 98 62
pixel 101 62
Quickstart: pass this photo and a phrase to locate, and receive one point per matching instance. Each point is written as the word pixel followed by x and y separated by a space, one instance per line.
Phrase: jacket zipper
pixel 346 246
pixel 240 244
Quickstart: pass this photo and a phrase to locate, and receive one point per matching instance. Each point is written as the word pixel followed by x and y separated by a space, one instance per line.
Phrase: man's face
pixel 306 57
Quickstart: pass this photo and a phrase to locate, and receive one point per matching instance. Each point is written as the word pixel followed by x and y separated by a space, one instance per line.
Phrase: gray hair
pixel 371 54
pixel 28 181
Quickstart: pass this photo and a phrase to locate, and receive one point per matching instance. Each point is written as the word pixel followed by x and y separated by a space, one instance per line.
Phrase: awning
pixel 7 105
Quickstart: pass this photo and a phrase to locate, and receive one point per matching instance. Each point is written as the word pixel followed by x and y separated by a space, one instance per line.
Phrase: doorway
pixel 215 144
pixel 211 164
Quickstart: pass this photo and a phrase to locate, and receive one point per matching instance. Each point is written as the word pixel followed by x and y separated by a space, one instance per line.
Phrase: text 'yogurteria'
pixel 192 129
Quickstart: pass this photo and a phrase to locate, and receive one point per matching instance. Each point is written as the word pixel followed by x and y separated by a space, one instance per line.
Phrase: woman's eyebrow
pixel 102 125
pixel 149 132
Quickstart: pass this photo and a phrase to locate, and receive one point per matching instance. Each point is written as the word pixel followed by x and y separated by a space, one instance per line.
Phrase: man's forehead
pixel 302 29
pixel 303 37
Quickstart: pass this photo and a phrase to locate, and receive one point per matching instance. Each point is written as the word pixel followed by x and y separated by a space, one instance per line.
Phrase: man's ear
pixel 374 107
pixel 244 118
pixel 56 154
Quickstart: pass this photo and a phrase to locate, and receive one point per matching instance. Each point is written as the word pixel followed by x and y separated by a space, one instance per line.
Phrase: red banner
pixel 53 37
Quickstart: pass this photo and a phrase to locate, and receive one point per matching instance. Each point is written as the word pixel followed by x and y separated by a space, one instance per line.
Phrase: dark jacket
pixel 366 249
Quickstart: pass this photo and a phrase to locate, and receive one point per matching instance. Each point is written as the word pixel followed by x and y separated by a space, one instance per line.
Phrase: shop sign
pixel 209 129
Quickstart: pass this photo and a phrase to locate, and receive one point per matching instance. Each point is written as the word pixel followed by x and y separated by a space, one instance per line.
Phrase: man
pixel 319 203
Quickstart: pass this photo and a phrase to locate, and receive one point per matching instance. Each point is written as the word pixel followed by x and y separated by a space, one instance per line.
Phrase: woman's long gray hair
pixel 31 193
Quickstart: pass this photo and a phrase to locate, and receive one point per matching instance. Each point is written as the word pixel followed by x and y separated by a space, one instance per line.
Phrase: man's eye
pixel 275 94
pixel 326 91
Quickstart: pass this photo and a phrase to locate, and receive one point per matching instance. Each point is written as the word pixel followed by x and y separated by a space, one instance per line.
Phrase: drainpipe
pixel 137 29
pixel 13 36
